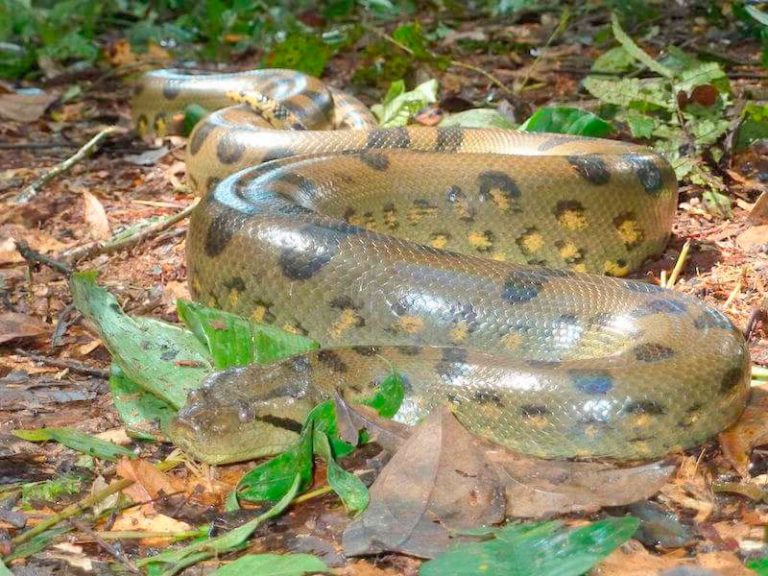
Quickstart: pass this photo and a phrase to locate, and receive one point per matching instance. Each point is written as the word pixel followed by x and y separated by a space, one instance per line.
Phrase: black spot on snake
pixel 138 88
pixel 211 183
pixel 277 154
pixel 542 364
pixel 300 182
pixel 644 407
pixel 519 287
pixel 591 168
pixel 374 160
pixel 199 136
pixel 646 171
pixel 221 229
pixel 669 306
pixel 452 365
pixel 712 318
pixel 344 303
pixel 171 89
pixel 449 138
pixel 731 379
pixel 235 283
pixel 488 397
pixel 652 352
pixel 533 410
pixel 366 350
pixel 409 350
pixel 333 361
pixel 311 247
pixel 284 423
pixel 596 382
pixel 229 149
pixel 491 180
pixel 388 138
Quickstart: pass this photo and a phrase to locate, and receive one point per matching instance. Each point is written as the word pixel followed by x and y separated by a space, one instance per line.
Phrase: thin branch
pixel 34 257
pixel 72 365
pixel 125 242
pixel 33 189
pixel 113 551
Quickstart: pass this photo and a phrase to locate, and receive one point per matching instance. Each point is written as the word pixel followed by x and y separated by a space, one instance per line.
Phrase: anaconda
pixel 471 261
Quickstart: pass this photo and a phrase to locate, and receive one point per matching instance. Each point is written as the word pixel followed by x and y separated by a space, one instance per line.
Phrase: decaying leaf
pixel 149 482
pixel 444 479
pixel 96 217
pixel 25 107
pixel 751 430
pixel 634 560
pixel 14 325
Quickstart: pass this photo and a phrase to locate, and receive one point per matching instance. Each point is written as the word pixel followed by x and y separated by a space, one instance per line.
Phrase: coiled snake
pixel 455 257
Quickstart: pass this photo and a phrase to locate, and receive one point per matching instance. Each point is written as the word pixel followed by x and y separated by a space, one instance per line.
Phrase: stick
pixel 113 551
pixel 72 365
pixel 115 245
pixel 32 190
pixel 34 257
pixel 678 265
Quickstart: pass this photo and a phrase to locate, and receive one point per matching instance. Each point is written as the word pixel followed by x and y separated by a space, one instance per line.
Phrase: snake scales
pixel 420 249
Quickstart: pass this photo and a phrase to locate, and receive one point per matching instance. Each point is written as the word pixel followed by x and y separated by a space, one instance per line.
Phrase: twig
pixel 35 257
pixel 34 145
pixel 123 243
pixel 73 365
pixel 678 265
pixel 491 78
pixel 561 26
pixel 83 505
pixel 107 547
pixel 32 190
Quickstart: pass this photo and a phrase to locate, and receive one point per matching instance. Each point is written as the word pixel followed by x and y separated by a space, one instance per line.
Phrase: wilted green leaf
pixel 347 486
pixel 635 51
pixel 37 543
pixel 162 359
pixel 626 93
pixel 77 441
pixel 273 565
pixel 477 118
pixel 543 549
pixel 565 120
pixel 236 341
pixel 614 60
pixel 399 105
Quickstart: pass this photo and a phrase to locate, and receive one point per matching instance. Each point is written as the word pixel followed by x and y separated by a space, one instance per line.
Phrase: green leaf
pixel 760 566
pixel 4 570
pixel 50 490
pixel 231 541
pixel 349 487
pixel 412 36
pixel 141 412
pixel 236 341
pixel 640 125
pixel 565 120
pixel 273 565
pixel 717 203
pixel 635 51
pixel 754 125
pixel 77 441
pixel 36 543
pixel 477 118
pixel 757 14
pixel 706 73
pixel 300 51
pixel 646 94
pixel 192 115
pixel 399 105
pixel 165 360
pixel 273 479
pixel 543 549
pixel 388 397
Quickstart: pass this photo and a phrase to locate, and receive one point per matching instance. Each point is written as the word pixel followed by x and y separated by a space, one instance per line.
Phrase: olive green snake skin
pixel 454 256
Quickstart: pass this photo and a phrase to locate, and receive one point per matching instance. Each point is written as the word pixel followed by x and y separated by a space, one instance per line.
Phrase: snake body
pixel 455 257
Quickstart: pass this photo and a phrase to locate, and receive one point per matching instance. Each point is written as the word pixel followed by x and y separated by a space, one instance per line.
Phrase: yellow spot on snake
pixel 580 267
pixel 572 220
pixel 439 241
pixel 539 422
pixel 233 297
pixel 142 126
pixel 410 324
pixel 480 241
pixel 390 219
pixel 640 420
pixel 569 251
pixel 500 199
pixel 259 314
pixel 532 242
pixel 160 126
pixel 460 332
pixel 512 340
pixel 418 213
pixel 195 285
pixel 293 328
pixel 347 319
pixel 630 232
pixel 498 256
pixel 617 268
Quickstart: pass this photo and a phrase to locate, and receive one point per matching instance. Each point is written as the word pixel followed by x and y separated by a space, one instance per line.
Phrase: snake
pixel 484 267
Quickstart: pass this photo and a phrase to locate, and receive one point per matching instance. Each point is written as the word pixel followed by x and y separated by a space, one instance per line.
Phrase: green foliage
pixel 79 441
pixel 754 125
pixel 141 412
pixel 50 490
pixel 388 397
pixel 399 106
pixel 273 565
pixel 543 549
pixel 564 120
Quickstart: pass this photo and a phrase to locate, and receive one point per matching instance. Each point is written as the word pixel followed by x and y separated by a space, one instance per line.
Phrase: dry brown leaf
pixel 72 554
pixel 14 325
pixel 25 107
pixel 633 559
pixel 751 430
pixel 138 519
pixel 753 238
pixel 149 482
pixel 96 217
pixel 37 240
pixel 120 53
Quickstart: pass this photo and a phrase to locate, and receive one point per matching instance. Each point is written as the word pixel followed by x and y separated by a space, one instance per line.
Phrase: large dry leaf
pixel 634 560
pixel 150 483
pixel 25 107
pixel 438 481
pixel 444 479
pixel 14 325
pixel 96 217
pixel 750 431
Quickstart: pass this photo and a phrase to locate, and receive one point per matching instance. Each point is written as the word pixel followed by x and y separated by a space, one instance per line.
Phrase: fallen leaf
pixel 73 555
pixel 14 325
pixel 634 560
pixel 754 238
pixel 148 158
pixel 138 520
pixel 436 482
pixel 37 240
pixel 149 482
pixel 96 217
pixel 750 431
pixel 23 107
